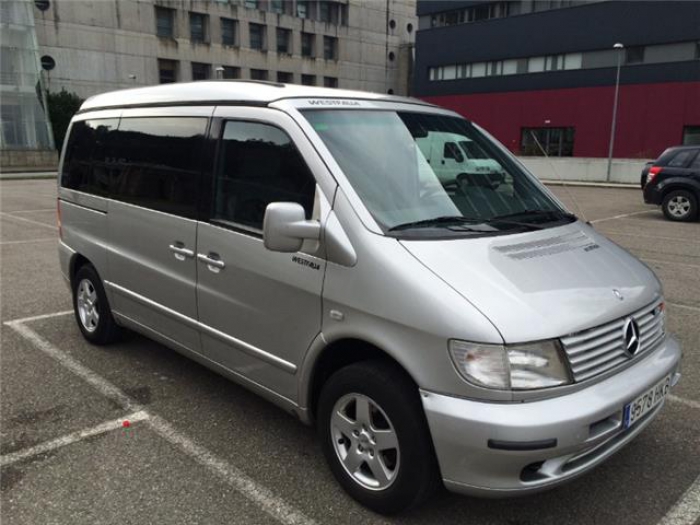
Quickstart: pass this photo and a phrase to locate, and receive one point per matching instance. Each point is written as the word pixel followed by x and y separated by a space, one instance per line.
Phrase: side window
pixel 159 161
pixel 680 158
pixel 88 156
pixel 696 163
pixel 451 151
pixel 258 164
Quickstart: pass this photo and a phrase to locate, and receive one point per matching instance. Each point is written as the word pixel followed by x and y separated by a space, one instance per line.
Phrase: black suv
pixel 673 181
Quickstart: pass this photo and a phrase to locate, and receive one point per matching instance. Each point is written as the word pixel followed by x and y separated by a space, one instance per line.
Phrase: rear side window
pixel 89 161
pixel 258 164
pixel 680 159
pixel 158 160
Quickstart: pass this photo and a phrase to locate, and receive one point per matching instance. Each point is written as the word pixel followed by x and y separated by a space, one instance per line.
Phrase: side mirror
pixel 285 227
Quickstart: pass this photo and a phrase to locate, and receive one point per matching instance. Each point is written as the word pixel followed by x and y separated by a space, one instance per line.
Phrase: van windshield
pixel 423 174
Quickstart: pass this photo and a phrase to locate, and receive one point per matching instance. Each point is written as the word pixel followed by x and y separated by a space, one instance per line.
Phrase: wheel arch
pixel 327 357
pixel 681 184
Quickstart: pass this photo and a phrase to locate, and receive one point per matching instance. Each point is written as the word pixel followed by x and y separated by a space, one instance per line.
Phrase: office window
pixel 258 74
pixel 257 36
pixel 330 48
pixel 330 82
pixel 556 142
pixel 535 64
pixel 478 70
pixel 494 68
pixel 285 78
pixel 510 67
pixel 159 163
pixel 691 135
pixel 284 41
pixel 308 45
pixel 231 72
pixel 308 80
pixel 258 164
pixel 228 32
pixel 198 28
pixel 88 165
pixel 201 71
pixel 554 62
pixel 165 22
pixel 634 55
pixel 329 12
pixel 573 61
pixel 277 6
pixel 251 4
pixel 167 71
pixel 302 9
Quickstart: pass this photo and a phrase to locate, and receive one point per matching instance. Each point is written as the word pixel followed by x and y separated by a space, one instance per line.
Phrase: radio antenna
pixel 558 176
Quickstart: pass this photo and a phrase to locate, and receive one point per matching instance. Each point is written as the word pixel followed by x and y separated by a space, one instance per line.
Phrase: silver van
pixel 469 332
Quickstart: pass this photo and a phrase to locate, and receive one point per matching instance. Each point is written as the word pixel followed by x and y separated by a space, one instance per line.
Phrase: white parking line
pixel 622 216
pixel 687 402
pixel 258 494
pixel 663 261
pixel 4 214
pixel 30 241
pixel 69 439
pixel 685 306
pixel 687 510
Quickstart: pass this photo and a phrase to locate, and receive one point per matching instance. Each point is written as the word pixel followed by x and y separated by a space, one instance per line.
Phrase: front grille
pixel 596 350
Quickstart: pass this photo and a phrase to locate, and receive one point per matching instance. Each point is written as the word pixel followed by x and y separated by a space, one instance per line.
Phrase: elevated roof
pixel 222 92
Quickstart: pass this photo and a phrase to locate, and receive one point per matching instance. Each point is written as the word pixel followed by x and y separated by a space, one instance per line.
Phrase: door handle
pixel 213 262
pixel 180 252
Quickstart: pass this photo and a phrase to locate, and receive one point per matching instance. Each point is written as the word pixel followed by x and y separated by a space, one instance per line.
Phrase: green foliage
pixel 62 107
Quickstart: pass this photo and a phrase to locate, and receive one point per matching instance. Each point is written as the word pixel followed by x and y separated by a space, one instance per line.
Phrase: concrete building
pixel 25 134
pixel 100 46
pixel 546 70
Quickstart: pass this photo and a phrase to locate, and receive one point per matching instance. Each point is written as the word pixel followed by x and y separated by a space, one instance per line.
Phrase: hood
pixel 543 284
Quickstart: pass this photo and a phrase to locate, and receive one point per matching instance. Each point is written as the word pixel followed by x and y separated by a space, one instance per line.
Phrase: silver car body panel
pixel 265 319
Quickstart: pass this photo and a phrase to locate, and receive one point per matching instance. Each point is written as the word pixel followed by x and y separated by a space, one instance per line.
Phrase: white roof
pixel 223 92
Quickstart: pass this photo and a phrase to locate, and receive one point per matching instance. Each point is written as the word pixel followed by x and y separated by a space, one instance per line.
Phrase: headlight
pixel 517 367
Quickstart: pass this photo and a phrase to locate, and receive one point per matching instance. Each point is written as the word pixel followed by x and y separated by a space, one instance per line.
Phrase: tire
pixel 411 473
pixel 91 308
pixel 680 205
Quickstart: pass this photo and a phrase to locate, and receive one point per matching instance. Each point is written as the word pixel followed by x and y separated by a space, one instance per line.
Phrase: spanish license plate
pixel 646 402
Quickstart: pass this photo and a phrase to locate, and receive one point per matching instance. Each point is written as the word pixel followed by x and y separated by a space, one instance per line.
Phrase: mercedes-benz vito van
pixel 470 332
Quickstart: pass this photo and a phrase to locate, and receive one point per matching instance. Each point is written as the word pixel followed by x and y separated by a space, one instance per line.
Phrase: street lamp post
pixel 619 47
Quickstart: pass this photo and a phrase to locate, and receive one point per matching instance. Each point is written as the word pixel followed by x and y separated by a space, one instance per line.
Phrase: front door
pixel 258 310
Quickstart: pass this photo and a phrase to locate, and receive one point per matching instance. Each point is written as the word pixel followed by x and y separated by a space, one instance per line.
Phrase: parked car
pixel 296 240
pixel 673 182
pixel 645 173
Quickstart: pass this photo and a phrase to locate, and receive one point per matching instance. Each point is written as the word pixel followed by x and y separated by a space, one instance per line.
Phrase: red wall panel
pixel 650 116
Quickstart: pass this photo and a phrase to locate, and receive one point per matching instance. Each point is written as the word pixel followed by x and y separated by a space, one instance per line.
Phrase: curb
pixel 619 185
pixel 28 175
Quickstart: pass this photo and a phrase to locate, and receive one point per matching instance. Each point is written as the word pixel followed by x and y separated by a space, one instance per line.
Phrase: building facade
pixel 541 75
pixel 106 45
pixel 25 134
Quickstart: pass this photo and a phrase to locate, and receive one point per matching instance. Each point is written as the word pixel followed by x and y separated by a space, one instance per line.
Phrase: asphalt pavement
pixel 200 449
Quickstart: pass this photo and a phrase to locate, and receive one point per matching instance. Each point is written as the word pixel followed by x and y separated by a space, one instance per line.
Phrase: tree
pixel 62 107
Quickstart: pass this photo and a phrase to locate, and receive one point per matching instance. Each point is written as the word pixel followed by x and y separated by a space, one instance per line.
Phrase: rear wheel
pixel 92 311
pixel 375 437
pixel 680 205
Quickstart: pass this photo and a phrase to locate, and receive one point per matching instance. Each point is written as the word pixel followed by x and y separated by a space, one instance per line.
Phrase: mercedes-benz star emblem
pixel 631 335
pixel 618 294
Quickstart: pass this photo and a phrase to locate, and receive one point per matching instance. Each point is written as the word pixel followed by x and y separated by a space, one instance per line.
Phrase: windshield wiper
pixel 555 214
pixel 437 221
pixel 448 220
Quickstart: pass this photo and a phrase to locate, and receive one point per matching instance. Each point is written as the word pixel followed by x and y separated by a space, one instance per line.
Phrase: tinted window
pixel 258 165
pixel 159 163
pixel 680 159
pixel 88 159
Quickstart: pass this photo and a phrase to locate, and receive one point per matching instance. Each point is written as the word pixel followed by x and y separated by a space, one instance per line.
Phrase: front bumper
pixel 558 438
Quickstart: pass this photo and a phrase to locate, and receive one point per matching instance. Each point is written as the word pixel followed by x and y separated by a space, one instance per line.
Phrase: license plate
pixel 647 401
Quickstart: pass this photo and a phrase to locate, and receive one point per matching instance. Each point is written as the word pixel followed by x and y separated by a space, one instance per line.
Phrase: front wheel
pixel 375 437
pixel 680 205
